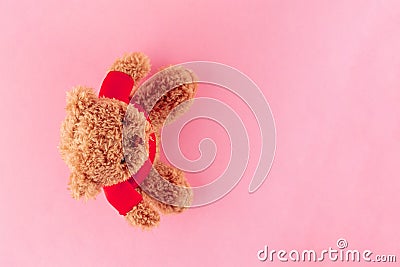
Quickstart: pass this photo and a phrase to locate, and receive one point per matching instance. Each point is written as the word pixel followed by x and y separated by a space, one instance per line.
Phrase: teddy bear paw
pixel 136 64
pixel 143 215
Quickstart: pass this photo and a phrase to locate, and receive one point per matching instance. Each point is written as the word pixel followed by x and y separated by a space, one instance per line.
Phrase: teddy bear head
pixel 92 141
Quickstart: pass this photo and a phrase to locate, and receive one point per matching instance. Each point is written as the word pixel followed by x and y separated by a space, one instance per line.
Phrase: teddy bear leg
pixel 143 215
pixel 172 105
pixel 176 177
pixel 164 103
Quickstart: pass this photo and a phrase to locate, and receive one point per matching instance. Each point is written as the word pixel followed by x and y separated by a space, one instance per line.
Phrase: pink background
pixel 329 69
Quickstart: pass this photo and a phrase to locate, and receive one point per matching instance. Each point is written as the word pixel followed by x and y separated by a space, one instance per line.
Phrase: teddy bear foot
pixel 143 215
pixel 163 207
pixel 161 193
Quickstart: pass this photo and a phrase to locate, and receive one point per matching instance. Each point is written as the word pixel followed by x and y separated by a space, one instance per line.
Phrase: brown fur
pixel 91 143
pixel 137 65
pixel 165 192
pixel 168 104
pixel 168 78
pixel 143 215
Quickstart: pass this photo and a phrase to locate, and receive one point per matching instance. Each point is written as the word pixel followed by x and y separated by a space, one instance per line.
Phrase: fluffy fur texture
pixel 135 139
pixel 155 97
pixel 137 65
pixel 167 192
pixel 91 143
pixel 143 215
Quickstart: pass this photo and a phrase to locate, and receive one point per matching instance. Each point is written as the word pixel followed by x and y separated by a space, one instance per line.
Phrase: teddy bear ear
pixel 79 99
pixel 82 187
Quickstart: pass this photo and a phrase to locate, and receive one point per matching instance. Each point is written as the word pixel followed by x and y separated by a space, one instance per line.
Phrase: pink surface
pixel 329 69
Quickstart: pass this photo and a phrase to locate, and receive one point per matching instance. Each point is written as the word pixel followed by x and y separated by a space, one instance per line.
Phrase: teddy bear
pixel 106 141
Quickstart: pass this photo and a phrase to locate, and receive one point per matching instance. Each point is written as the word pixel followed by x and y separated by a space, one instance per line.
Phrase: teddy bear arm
pixel 136 64
pixel 143 215
pixel 81 187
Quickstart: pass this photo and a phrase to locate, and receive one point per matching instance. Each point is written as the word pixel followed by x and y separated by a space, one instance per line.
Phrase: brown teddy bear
pixel 92 142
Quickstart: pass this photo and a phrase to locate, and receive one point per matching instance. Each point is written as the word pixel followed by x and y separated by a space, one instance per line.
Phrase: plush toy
pixel 91 141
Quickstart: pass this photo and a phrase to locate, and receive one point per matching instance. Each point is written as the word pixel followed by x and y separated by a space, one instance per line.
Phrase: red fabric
pixel 123 196
pixel 117 85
